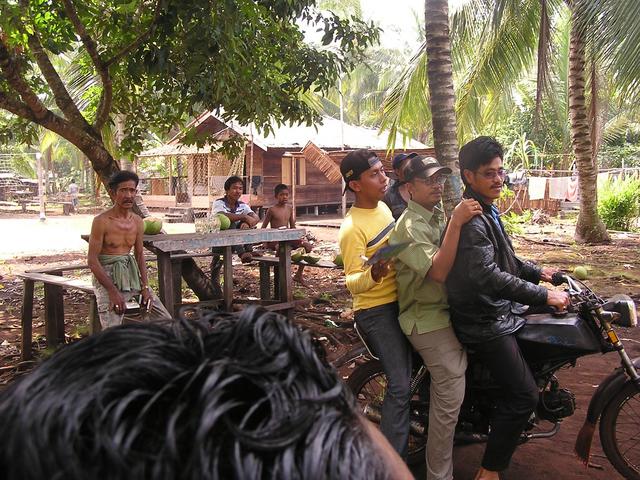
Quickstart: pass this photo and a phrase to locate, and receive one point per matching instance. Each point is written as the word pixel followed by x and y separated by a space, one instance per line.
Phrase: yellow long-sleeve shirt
pixel 363 232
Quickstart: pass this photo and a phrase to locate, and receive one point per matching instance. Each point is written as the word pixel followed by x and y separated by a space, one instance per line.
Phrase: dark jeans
pixel 381 330
pixel 519 397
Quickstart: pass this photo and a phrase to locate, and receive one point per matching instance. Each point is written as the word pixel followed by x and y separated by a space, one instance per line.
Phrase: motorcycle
pixel 549 342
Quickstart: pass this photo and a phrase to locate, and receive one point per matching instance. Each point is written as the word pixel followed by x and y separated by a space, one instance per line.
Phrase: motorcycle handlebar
pixel 558 278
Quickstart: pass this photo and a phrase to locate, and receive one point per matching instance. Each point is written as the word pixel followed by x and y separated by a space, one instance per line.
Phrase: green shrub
pixel 513 222
pixel 619 203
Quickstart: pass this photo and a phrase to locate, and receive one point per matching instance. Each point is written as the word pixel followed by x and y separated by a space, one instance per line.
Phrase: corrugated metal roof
pixel 328 135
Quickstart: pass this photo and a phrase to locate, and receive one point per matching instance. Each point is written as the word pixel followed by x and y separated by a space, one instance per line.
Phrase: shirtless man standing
pixel 117 276
pixel 281 215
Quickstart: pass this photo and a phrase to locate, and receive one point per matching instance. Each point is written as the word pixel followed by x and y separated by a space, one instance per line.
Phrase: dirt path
pixel 613 269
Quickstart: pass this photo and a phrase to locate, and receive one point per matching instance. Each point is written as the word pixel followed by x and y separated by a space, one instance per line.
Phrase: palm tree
pixel 507 39
pixel 589 227
pixel 442 97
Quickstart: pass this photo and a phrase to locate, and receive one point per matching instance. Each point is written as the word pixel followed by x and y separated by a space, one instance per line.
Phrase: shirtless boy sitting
pixel 117 276
pixel 281 215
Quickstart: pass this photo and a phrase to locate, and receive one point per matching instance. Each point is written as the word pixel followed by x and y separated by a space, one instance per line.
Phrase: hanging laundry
pixel 558 187
pixel 537 187
pixel 603 177
pixel 573 189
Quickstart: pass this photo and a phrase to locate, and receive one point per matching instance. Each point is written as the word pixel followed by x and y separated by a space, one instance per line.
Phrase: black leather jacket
pixel 489 287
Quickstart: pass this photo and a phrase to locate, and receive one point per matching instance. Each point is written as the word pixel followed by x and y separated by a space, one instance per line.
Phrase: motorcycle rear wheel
pixel 620 432
pixel 369 384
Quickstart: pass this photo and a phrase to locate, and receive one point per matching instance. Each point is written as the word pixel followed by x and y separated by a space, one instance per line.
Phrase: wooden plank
pixel 177 286
pixel 265 281
pixel 58 281
pixel 227 287
pixel 27 319
pixel 94 318
pixel 285 281
pixel 319 264
pixel 53 314
pixel 165 281
pixel 186 241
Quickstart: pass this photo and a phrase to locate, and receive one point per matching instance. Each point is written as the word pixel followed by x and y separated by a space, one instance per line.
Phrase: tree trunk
pixel 442 97
pixel 589 227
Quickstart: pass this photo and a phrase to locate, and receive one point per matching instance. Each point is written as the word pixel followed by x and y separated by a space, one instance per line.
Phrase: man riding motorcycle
pixel 489 288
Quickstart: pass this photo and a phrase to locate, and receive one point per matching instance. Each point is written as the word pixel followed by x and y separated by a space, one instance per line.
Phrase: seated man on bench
pixel 238 212
pixel 118 277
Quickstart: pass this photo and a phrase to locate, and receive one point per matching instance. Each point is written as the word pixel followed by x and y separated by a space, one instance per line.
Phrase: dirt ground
pixel 613 268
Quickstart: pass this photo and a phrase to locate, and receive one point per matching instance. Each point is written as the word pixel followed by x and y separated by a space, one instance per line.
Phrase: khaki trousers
pixel 446 360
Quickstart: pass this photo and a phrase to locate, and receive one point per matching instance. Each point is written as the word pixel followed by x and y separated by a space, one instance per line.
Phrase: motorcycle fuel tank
pixel 546 337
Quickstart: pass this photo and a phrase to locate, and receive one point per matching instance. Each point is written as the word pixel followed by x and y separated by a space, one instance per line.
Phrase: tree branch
pixel 138 41
pixel 14 78
pixel 15 106
pixel 102 68
pixel 60 93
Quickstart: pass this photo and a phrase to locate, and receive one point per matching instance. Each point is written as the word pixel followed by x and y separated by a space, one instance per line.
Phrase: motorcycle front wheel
pixel 620 432
pixel 369 384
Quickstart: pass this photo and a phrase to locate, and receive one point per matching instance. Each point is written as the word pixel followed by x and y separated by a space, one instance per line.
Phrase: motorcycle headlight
pixel 624 305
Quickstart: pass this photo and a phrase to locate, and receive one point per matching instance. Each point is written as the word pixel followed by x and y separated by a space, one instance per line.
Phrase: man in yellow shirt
pixel 366 229
pixel 421 270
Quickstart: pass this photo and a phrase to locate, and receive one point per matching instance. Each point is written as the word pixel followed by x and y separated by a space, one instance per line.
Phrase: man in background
pixel 397 195
pixel 73 195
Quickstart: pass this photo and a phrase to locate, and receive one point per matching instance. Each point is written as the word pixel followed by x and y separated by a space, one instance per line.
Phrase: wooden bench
pixel 54 286
pixel 266 263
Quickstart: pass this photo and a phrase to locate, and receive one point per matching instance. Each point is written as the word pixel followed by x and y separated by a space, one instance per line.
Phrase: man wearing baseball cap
pixel 364 230
pixel 421 270
pixel 397 194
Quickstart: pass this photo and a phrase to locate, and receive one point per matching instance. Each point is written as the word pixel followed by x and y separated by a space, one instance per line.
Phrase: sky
pixel 398 19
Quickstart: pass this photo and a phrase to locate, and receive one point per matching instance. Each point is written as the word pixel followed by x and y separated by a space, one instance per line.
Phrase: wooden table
pixel 170 250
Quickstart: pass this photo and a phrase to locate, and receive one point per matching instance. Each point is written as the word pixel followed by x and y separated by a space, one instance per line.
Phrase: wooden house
pixel 307 158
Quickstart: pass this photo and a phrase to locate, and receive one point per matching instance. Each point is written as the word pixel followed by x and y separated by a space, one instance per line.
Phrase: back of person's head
pixel 279 188
pixel 244 397
pixel 73 180
pixel 230 181
pixel 120 177
pixel 479 151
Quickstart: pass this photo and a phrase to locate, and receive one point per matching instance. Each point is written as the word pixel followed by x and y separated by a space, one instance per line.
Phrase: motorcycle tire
pixel 619 421
pixel 368 384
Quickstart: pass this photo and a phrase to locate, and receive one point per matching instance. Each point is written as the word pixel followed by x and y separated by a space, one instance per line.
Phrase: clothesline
pixel 575 172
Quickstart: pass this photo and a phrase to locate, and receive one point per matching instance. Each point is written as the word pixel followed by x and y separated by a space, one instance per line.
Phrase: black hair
pixel 227 396
pixel 230 181
pixel 279 188
pixel 478 152
pixel 122 176
pixel 73 180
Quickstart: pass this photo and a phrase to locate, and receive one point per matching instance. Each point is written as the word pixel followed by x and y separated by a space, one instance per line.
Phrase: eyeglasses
pixel 492 174
pixel 435 180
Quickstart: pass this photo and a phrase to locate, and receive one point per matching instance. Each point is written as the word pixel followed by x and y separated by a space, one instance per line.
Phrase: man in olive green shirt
pixel 421 270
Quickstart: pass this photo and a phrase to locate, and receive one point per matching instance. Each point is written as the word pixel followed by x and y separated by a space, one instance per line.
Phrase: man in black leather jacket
pixel 489 289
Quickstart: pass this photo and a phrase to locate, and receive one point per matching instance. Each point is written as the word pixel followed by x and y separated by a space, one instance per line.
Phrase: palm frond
pixel 406 108
pixel 613 28
pixel 506 54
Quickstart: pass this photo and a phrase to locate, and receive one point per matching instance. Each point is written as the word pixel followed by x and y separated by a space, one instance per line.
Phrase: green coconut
pixel 297 254
pixel 310 259
pixel 152 225
pixel 580 272
pixel 338 260
pixel 225 223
